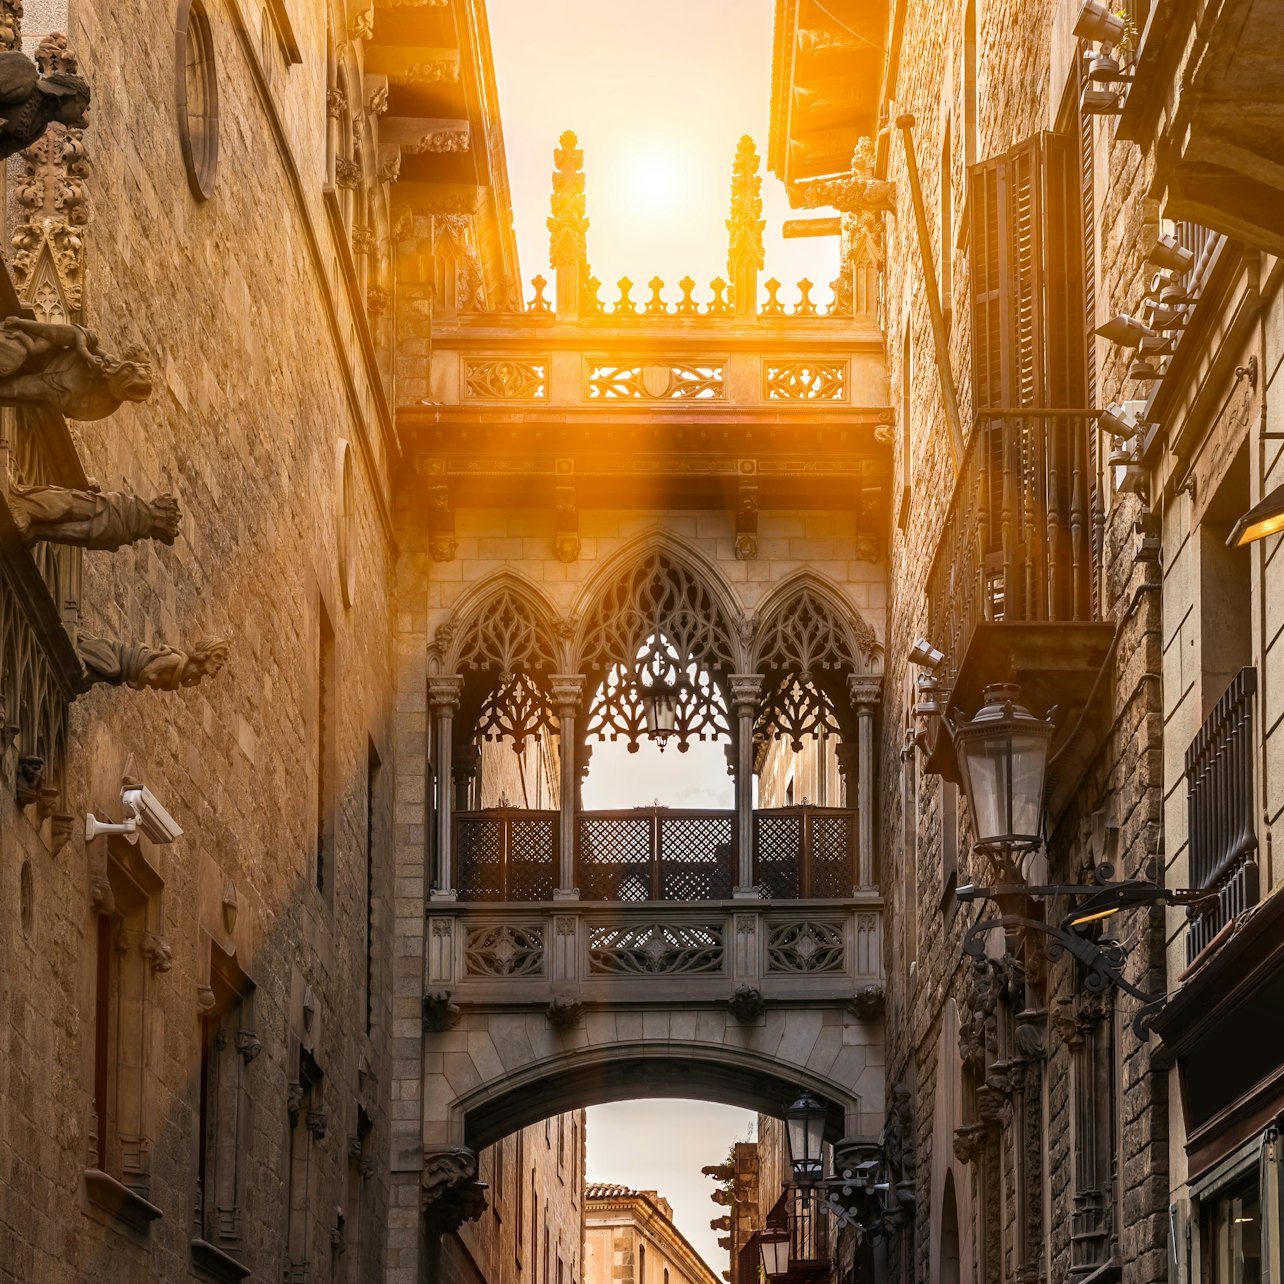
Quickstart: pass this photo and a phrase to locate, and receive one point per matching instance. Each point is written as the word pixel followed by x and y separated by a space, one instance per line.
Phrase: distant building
pixel 630 1238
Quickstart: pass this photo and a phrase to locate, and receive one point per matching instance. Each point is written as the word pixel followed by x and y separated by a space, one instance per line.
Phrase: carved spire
pixel 746 221
pixel 567 225
pixel 744 247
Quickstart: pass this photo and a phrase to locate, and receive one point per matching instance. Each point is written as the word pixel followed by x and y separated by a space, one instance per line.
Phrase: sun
pixel 651 180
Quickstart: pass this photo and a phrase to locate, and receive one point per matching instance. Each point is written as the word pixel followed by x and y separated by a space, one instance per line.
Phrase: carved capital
pixel 444 691
pixel 746 690
pixel 864 690
pixel 566 691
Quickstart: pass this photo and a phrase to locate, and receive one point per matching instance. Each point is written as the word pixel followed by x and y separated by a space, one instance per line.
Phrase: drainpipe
pixel 940 340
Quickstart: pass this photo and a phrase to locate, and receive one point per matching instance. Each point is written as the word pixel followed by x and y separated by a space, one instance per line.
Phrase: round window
pixel 197 98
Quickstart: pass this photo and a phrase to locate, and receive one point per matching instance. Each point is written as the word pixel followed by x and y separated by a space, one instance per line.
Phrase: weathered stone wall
pixel 258 377
pixel 1024 66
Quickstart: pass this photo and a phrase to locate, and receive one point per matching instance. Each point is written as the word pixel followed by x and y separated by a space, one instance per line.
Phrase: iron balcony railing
pixel 655 854
pixel 1222 835
pixel 1021 539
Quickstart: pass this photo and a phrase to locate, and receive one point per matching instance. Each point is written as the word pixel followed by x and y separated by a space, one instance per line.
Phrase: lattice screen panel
pixel 613 855
pixel 697 857
pixel 831 856
pixel 532 859
pixel 778 855
pixel 479 859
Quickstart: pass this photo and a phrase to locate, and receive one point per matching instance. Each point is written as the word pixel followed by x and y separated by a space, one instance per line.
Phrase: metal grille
pixel 1223 841
pixel 532 859
pixel 831 856
pixel 655 855
pixel 479 859
pixel 778 851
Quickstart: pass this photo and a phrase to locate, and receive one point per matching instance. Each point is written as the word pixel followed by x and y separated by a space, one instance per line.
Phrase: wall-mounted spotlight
pixel 1097 22
pixel 1103 67
pixel 1171 256
pixel 927 705
pixel 925 655
pixel 1126 331
pixel 1120 456
pixel 1122 418
pixel 1098 101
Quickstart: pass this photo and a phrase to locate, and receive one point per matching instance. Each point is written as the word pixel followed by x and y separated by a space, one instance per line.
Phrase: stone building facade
pixel 629 1236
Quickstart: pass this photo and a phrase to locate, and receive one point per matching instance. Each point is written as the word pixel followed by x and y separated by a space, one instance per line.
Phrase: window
pixel 949 845
pixel 519 1213
pixel 352 1229
pixel 127 957
pixel 561 1147
pixel 308 1125
pixel 228 1046
pixel 197 88
pixel 325 731
pixel 970 150
pixel 906 440
pixel 641 1264
pixel 1230 1236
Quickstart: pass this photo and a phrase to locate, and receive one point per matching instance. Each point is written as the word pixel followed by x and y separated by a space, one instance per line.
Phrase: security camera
pixel 1124 330
pixel 1096 22
pixel 1122 418
pixel 1171 256
pixel 925 655
pixel 143 814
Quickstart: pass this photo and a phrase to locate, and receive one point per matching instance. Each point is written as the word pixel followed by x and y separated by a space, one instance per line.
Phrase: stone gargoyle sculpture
pixel 44 362
pixel 105 520
pixel 30 102
pixel 163 668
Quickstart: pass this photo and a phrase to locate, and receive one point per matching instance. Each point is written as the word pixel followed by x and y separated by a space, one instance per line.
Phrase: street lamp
pixel 1003 762
pixel 805 1132
pixel 1266 518
pixel 773 1247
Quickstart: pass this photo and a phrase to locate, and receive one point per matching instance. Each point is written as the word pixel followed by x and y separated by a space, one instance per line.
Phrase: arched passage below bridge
pixel 500 1071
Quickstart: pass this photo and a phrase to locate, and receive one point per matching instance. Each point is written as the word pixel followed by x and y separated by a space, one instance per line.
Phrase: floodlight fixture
pixel 925 655
pixel 1122 418
pixel 1171 256
pixel 1097 22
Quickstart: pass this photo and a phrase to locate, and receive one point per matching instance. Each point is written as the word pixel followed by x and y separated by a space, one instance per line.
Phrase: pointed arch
pixel 658 644
pixel 659 543
pixel 830 633
pixel 476 624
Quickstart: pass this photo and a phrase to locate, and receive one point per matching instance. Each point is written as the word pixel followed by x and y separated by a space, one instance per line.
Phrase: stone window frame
pixel 308 1123
pixel 130 952
pixel 228 1045
pixel 196 92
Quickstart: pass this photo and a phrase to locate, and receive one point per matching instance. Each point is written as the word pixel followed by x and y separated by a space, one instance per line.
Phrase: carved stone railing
pixel 1020 540
pixel 656 854
pixel 1223 836
pixel 527 954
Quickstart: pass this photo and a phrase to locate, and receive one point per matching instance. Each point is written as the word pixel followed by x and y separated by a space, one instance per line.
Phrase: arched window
pixel 197 88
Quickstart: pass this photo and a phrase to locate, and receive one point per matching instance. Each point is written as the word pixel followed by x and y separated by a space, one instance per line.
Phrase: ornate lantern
pixel 1003 761
pixel 805 1132
pixel 773 1247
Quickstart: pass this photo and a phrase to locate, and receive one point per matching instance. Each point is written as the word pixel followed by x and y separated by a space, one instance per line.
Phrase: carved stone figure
pixel 91 519
pixel 440 1012
pixel 44 362
pixel 747 1004
pixel 564 1011
pixel 451 1193
pixel 163 668
pixel 31 102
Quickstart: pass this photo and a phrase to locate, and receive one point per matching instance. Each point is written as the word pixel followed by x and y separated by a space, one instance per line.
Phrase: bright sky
pixel 661 1146
pixel 659 94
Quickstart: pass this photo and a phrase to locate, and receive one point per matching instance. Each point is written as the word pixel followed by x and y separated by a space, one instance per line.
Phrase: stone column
pixel 567 690
pixel 849 769
pixel 746 693
pixel 443 697
pixel 865 691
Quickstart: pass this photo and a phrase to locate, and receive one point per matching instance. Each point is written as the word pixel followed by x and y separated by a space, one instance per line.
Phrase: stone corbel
pixel 442 544
pixel 564 1011
pixel 747 1005
pixel 374 88
pixel 450 1192
pixel 248 1045
pixel 158 952
pixel 318 1122
pixel 747 510
pixel 440 1012
pixel 566 538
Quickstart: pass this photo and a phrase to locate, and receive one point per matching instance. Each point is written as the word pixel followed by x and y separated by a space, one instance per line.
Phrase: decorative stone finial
pixel 746 222
pixel 567 225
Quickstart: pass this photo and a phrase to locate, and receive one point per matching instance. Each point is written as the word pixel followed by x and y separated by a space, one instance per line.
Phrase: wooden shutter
pixel 1027 276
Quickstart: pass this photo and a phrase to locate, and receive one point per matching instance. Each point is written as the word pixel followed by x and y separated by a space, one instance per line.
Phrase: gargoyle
pixel 163 668
pixel 91 519
pixel 61 366
pixel 31 102
pixel 851 194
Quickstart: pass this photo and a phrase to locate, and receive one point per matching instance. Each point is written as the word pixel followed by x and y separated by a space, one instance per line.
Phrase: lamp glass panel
pixel 775 1254
pixel 1029 762
pixel 987 784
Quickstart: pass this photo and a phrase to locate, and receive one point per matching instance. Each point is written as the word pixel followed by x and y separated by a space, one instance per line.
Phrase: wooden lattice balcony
pixel 656 854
